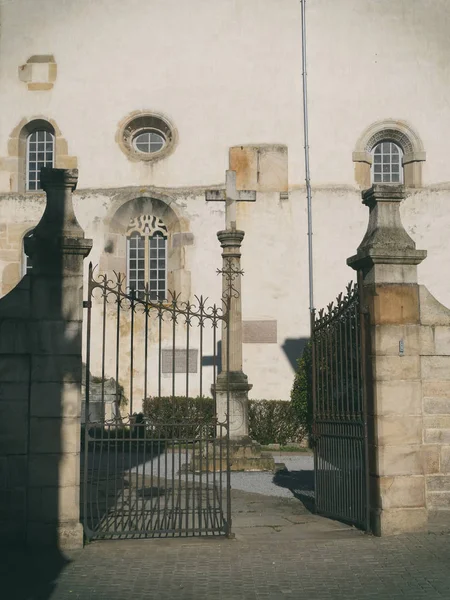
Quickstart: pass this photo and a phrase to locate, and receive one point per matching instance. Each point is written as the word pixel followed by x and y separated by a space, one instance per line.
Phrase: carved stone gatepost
pixel 388 259
pixel 57 249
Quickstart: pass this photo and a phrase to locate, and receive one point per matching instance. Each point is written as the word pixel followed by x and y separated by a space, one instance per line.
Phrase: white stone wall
pixel 226 73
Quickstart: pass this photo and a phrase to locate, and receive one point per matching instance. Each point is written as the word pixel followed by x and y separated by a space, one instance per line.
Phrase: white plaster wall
pixel 274 257
pixel 229 72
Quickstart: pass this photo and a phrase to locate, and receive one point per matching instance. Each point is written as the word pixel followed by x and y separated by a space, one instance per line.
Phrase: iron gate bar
pixel 125 455
pixel 340 409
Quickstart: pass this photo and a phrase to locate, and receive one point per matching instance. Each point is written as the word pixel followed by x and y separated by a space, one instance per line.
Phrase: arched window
pixel 40 153
pixel 147 256
pixel 387 163
pixel 27 266
pixel 384 145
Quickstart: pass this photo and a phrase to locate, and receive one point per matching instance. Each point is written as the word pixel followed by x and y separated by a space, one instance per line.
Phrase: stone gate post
pixel 388 259
pixel 57 250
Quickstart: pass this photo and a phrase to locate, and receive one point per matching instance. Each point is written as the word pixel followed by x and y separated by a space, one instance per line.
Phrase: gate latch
pixel 87 304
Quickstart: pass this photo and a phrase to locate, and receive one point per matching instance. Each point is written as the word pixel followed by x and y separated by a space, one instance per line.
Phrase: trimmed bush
pixel 274 422
pixel 301 393
pixel 178 409
pixel 270 421
pixel 179 417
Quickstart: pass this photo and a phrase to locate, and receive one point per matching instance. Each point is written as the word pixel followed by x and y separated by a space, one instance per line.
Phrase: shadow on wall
pixel 293 348
pixel 40 378
pixel 208 361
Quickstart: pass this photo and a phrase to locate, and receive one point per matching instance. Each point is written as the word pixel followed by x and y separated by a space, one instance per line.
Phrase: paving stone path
pixel 280 551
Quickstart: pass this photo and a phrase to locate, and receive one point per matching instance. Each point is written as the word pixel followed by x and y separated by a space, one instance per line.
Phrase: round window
pixel 149 142
pixel 146 136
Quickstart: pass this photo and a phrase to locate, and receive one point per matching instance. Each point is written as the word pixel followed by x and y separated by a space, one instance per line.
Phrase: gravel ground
pixel 264 482
pixel 300 468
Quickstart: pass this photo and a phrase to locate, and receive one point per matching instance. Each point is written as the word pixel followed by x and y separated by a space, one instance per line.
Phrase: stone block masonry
pixel 435 368
pixel 387 258
pixel 40 380
pixel 409 382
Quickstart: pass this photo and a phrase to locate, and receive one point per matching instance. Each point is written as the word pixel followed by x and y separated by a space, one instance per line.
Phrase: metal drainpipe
pixel 306 145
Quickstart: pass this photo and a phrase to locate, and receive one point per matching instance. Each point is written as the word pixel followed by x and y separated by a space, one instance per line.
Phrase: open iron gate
pixel 157 474
pixel 340 410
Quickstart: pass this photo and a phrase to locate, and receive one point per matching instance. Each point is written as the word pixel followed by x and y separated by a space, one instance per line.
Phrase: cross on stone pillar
pixel 231 196
pixel 230 240
pixel 232 386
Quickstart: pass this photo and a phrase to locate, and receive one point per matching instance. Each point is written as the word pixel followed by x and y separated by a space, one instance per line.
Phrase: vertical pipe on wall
pixel 306 146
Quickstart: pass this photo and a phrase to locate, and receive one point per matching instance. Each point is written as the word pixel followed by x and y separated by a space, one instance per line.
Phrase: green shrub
pixel 179 417
pixel 301 393
pixel 270 421
pixel 274 422
pixel 179 409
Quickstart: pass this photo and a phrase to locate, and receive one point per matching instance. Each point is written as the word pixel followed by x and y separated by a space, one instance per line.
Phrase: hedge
pixel 179 417
pixel 301 393
pixel 274 422
pixel 270 421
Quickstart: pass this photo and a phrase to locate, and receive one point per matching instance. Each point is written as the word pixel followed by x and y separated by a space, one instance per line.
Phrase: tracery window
pixel 40 153
pixel 147 256
pixel 387 163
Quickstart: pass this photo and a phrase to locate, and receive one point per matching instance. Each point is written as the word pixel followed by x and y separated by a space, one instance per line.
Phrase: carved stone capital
pixel 386 241
pixel 230 238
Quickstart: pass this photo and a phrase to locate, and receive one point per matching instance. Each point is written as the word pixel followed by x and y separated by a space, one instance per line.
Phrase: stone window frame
pixel 127 205
pixel 15 162
pixel 142 121
pixel 402 134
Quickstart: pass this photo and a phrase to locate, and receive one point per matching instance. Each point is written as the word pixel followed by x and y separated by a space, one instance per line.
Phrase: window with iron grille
pixel 147 256
pixel 387 165
pixel 40 153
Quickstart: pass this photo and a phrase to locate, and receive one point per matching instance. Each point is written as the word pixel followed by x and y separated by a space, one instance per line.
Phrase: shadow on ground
pixel 300 483
pixel 30 575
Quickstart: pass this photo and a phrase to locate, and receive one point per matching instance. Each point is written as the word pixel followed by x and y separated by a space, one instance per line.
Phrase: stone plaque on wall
pixel 259 332
pixel 180 360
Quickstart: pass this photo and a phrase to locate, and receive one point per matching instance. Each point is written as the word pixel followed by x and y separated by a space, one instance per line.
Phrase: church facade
pixel 154 101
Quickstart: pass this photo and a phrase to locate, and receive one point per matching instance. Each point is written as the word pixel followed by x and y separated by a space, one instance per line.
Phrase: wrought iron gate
pixel 152 473
pixel 340 411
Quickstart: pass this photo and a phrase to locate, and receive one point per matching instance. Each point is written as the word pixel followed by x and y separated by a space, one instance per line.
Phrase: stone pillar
pixel 57 250
pixel 230 241
pixel 388 259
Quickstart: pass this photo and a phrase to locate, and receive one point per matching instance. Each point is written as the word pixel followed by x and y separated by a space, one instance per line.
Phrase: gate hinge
pixel 87 304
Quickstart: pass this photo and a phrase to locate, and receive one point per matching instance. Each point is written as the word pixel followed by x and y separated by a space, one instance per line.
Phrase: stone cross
pixel 231 196
pixel 232 378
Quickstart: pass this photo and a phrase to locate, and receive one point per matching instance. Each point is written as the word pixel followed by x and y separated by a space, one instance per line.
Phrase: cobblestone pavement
pixel 280 551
